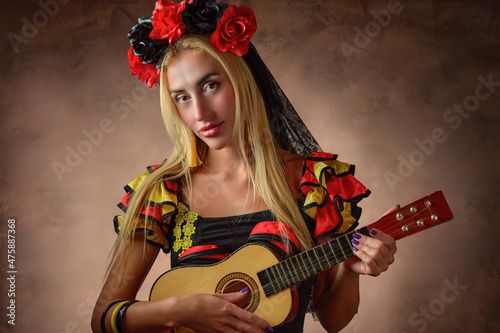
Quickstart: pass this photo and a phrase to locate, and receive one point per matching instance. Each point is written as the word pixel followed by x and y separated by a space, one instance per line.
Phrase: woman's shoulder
pixel 297 168
pixel 291 160
pixel 293 166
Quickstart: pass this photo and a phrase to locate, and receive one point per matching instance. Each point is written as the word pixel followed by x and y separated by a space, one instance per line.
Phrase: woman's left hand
pixel 373 254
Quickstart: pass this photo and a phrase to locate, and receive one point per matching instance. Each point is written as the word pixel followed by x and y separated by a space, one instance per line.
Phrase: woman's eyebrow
pixel 200 81
pixel 205 77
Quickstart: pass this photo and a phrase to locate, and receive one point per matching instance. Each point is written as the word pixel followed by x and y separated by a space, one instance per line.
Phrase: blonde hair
pixel 251 134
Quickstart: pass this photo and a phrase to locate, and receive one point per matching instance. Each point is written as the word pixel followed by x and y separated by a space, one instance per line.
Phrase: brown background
pixel 69 79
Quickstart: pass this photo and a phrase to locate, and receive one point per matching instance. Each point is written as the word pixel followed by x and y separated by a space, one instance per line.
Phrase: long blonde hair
pixel 251 134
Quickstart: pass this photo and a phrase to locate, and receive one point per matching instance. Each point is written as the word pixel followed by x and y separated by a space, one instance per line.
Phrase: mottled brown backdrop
pixel 408 91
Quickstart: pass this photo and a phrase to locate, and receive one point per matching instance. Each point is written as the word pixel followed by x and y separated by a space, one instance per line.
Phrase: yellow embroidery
pixel 184 228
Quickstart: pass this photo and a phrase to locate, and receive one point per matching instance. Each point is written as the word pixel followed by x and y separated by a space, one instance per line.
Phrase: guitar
pixel 269 280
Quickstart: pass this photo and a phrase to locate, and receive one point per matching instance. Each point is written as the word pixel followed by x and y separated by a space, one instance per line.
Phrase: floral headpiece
pixel 230 29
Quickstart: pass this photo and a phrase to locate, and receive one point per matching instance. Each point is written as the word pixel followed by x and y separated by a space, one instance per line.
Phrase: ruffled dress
pixel 329 194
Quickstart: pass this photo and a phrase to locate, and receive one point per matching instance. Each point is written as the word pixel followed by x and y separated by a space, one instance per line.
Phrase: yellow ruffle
pixel 154 216
pixel 317 195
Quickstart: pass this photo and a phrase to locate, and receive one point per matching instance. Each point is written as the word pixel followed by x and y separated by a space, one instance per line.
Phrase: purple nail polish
pixel 373 232
pixel 244 290
pixel 269 329
pixel 357 236
pixel 355 242
pixel 355 249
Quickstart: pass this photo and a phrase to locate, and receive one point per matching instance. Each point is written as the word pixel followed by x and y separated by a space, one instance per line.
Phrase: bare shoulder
pixel 291 160
pixel 293 165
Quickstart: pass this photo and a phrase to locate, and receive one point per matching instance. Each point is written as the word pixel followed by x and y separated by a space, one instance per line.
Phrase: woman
pixel 242 171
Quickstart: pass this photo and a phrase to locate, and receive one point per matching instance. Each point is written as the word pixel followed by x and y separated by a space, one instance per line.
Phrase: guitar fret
pixel 292 271
pixel 284 276
pixel 330 254
pixel 333 252
pixel 337 249
pixel 349 237
pixel 271 280
pixel 299 272
pixel 324 253
pixel 276 280
pixel 307 263
pixel 346 246
pixel 279 279
pixel 341 249
pixel 301 266
pixel 311 263
pixel 318 259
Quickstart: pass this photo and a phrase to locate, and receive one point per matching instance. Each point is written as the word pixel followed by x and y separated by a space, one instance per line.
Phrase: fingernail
pixel 373 232
pixel 355 249
pixel 357 236
pixel 244 290
pixel 269 329
pixel 355 242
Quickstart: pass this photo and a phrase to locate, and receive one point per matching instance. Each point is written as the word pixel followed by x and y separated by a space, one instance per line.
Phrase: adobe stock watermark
pixel 30 28
pixel 372 29
pixel 94 137
pixel 428 314
pixel 453 117
pixel 85 309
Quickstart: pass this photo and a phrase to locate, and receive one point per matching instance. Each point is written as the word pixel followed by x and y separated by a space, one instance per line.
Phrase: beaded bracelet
pixel 104 313
pixel 119 317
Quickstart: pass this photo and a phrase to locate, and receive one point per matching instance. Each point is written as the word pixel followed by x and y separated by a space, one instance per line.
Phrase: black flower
pixel 143 46
pixel 201 15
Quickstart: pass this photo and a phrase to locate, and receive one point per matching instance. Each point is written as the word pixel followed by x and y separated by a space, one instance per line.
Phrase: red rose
pixel 234 30
pixel 167 21
pixel 147 72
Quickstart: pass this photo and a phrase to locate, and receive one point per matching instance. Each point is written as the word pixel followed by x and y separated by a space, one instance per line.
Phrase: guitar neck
pixel 420 215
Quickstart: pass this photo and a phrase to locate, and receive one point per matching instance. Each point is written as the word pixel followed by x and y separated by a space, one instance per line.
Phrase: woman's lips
pixel 210 130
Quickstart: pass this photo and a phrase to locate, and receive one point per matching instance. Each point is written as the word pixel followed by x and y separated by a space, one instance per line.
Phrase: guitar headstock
pixel 420 215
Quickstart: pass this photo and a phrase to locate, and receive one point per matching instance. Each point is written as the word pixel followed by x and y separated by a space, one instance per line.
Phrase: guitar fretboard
pixel 306 264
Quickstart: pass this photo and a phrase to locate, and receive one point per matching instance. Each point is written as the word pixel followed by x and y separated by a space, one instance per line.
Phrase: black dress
pixel 329 197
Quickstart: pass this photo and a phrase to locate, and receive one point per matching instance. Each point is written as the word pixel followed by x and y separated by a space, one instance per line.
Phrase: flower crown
pixel 230 29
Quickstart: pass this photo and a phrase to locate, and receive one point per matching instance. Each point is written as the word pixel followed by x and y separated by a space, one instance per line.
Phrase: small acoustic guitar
pixel 269 280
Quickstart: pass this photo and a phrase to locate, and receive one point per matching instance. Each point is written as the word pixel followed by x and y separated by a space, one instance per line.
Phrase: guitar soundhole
pixel 235 282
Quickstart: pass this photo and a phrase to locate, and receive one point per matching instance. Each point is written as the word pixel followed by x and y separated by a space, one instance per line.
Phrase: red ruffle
pixel 330 193
pixel 272 232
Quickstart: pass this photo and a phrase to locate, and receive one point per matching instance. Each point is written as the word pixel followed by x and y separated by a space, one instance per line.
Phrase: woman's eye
pixel 181 99
pixel 211 86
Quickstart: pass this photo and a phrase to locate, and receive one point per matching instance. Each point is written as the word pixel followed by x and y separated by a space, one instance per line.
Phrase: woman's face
pixel 204 97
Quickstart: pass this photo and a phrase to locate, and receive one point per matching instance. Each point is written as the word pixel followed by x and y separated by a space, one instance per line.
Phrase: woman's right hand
pixel 217 313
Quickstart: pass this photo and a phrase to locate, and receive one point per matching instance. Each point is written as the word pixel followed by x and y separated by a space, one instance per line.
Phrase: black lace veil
pixel 288 129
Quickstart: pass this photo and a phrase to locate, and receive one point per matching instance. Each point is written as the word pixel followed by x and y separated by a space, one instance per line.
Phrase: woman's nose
pixel 201 109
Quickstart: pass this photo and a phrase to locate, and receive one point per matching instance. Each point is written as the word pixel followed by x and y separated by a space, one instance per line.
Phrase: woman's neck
pixel 224 162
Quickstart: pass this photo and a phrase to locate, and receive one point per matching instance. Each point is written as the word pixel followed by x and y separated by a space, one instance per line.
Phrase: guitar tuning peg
pixel 428 203
pixel 399 216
